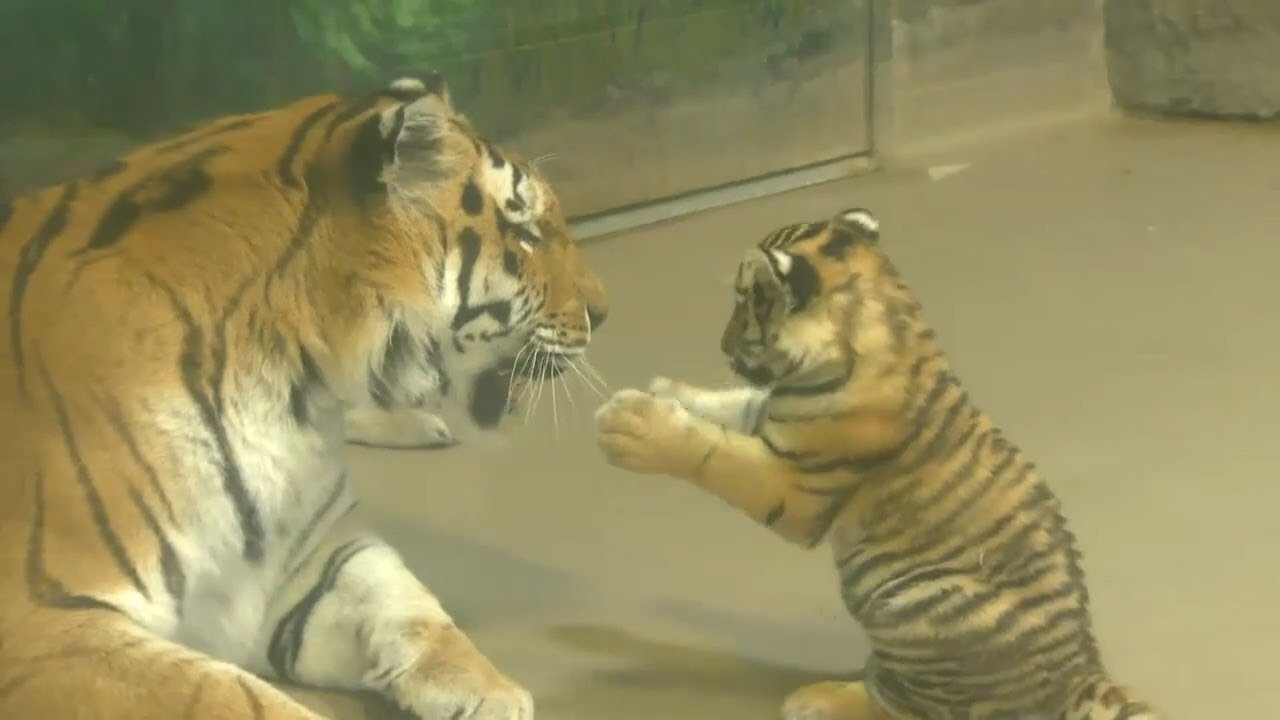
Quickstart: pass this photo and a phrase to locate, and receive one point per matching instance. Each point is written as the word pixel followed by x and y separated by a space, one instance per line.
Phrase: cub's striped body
pixel 188 332
pixel 951 550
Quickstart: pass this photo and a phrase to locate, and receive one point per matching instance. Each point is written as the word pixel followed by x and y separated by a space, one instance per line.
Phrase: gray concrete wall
pixel 969 67
pixel 1194 57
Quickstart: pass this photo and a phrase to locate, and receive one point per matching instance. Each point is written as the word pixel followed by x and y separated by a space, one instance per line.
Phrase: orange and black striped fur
pixel 185 331
pixel 952 551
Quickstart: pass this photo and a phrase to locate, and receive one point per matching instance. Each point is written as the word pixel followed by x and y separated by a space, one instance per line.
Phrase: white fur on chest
pixel 295 480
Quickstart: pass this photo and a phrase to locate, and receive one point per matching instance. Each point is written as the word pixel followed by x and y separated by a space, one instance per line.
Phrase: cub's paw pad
pixel 633 412
pixel 639 432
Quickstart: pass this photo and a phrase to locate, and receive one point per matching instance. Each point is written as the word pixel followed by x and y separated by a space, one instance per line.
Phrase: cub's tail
pixel 1098 697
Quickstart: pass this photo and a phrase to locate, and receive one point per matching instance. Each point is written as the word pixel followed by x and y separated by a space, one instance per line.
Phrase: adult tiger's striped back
pixel 189 330
pixel 952 551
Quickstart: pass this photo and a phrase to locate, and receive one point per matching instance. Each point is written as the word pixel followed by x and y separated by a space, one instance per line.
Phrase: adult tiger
pixel 185 329
pixel 952 552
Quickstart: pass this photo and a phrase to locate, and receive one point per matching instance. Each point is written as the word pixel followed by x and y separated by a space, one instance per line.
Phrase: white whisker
pixel 521 370
pixel 564 382
pixel 515 372
pixel 543 363
pixel 540 160
pixel 531 384
pixel 529 391
pixel 555 410
pixel 594 373
pixel 586 380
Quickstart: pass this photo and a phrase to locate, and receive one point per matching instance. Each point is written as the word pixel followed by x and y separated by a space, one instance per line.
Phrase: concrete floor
pixel 1108 291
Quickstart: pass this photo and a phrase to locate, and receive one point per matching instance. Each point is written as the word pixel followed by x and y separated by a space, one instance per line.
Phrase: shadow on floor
pixel 658 675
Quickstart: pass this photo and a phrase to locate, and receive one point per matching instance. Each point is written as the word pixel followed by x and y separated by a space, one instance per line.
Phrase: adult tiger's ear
pixel 410 135
pixel 430 84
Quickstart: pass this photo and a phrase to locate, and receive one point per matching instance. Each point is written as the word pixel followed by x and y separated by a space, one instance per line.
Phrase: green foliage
pixel 369 37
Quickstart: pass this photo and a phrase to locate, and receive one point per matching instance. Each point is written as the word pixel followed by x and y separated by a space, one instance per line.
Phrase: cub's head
pixel 813 301
pixel 474 273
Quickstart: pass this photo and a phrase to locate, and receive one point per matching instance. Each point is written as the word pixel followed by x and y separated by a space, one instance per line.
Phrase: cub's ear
pixel 858 221
pixel 847 228
pixel 410 135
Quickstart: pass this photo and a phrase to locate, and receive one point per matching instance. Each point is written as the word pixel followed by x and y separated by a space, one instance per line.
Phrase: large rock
pixel 1214 58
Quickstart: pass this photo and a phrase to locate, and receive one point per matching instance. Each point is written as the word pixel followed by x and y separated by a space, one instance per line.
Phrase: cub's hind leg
pixel 98 665
pixel 352 616
pixel 833 700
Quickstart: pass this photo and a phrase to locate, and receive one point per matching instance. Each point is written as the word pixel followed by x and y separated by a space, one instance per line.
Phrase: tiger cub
pixel 952 552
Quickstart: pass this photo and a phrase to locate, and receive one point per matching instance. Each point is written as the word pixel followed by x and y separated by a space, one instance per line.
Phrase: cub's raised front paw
pixel 643 433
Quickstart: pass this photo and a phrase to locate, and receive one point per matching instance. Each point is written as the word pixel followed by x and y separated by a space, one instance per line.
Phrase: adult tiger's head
pixel 813 302
pixel 467 258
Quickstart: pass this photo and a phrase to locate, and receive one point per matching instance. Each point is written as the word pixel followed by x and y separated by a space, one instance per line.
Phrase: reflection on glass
pixel 634 99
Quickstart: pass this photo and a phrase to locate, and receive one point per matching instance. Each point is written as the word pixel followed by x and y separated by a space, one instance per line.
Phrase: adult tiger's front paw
pixel 644 434
pixel 454 680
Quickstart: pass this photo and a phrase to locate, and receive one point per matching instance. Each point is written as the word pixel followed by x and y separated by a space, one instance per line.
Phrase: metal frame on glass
pixel 878 124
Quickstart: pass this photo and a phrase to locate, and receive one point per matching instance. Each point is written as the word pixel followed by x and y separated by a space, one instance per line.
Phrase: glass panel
pixel 635 99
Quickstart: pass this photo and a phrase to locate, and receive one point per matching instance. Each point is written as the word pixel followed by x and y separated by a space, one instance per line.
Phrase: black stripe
pixel 302 387
pixel 508 229
pixel 290 632
pixel 300 238
pixel 191 365
pixel 823 521
pixel 97 511
pixel 472 198
pixel 384 380
pixel 469 243
pixel 165 190
pixel 857 565
pixel 42 589
pixel 776 513
pixel 838 243
pixel 6 212
pixel 108 170
pixel 194 136
pixel 284 166
pixel 946 490
pixel 511 262
pixel 351 110
pixel 299 541
pixel 368 153
pixel 823 387
pixel 499 310
pixel 115 417
pixel 28 259
pixel 175 578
